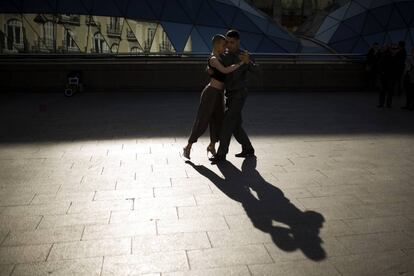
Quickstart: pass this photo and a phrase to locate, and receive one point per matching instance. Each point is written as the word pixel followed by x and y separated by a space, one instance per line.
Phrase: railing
pixel 165 46
pixel 113 30
pixel 147 45
pixel 69 48
pixel 44 45
pixel 90 21
pixel 70 19
pixel 131 36
pixel 261 58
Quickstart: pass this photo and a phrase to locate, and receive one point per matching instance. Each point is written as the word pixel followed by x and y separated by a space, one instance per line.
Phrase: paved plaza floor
pixel 96 185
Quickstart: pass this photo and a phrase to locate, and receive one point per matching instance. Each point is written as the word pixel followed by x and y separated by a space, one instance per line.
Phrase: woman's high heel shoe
pixel 212 150
pixel 186 152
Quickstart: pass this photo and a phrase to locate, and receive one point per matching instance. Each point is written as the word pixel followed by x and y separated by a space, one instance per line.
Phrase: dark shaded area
pixel 270 205
pixel 47 73
pixel 95 116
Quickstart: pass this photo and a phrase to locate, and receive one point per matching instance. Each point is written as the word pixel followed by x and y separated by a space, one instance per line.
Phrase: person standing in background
pixel 389 73
pixel 371 66
pixel 409 82
pixel 401 60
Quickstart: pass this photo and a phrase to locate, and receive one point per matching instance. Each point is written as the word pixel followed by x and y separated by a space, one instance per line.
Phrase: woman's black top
pixel 221 77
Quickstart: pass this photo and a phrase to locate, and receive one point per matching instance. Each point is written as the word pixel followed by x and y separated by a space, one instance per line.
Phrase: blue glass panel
pixel 361 47
pixel 365 3
pixel 328 23
pixel 356 23
pixel 36 6
pixel 260 22
pixel 209 17
pixel 289 45
pixel 177 33
pixel 157 6
pixel 243 23
pixel 379 3
pixel 327 35
pixel 53 4
pixel 406 10
pixel 208 32
pixel 398 35
pixel 235 2
pixel 198 44
pixel 106 8
pixel 228 2
pixel 124 4
pixel 268 46
pixel 382 14
pixel 174 12
pixel 9 6
pixel 73 7
pixel 345 46
pixel 276 30
pixel 339 13
pixel 342 33
pixel 354 9
pixel 311 47
pixel 88 4
pixel 388 39
pixel 396 21
pixel 248 8
pixel 371 39
pixel 226 12
pixel 372 25
pixel 250 41
pixel 141 11
pixel 192 7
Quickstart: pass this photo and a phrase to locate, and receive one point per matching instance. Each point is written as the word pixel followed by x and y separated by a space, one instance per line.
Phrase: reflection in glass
pixel 71 33
pixel 48 31
pixel 69 44
pixel 14 33
pixel 99 43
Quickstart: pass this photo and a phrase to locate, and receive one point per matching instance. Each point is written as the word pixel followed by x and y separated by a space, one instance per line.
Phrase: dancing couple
pixel 228 66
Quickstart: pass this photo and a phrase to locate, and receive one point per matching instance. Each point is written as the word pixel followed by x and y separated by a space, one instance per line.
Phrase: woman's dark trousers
pixel 210 113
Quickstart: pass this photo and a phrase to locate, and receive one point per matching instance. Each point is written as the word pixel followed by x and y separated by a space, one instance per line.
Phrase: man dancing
pixel 236 94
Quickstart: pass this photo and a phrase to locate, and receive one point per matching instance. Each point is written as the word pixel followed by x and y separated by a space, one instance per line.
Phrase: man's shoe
pixel 217 159
pixel 245 153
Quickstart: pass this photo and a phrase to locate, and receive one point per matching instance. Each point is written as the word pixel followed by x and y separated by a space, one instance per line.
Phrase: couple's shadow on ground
pixel 302 228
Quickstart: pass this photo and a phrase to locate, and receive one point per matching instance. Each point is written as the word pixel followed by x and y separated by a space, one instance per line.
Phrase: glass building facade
pixel 135 26
pixel 358 24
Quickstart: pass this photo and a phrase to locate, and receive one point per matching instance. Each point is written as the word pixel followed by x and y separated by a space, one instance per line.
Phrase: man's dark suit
pixel 236 94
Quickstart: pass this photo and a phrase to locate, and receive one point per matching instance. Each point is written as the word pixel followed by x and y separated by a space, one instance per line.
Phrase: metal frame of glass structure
pixel 138 26
pixel 358 24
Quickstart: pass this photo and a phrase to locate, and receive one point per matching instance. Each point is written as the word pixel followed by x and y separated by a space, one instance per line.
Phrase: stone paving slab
pixel 145 263
pixel 86 266
pixel 87 190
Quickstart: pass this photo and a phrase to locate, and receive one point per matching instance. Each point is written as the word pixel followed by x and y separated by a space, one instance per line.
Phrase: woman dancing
pixel 211 108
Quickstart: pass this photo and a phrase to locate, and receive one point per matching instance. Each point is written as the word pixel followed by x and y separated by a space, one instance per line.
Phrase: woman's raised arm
pixel 225 70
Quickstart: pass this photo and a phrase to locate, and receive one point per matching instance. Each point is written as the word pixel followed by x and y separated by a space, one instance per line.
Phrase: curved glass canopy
pixel 355 26
pixel 135 26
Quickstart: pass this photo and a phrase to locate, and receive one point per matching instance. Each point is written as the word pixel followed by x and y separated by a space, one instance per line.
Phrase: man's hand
pixel 245 57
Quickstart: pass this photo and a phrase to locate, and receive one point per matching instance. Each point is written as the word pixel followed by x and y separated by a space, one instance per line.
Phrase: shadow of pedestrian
pixel 265 204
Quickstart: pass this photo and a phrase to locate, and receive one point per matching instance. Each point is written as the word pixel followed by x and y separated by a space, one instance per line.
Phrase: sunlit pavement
pixel 95 185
